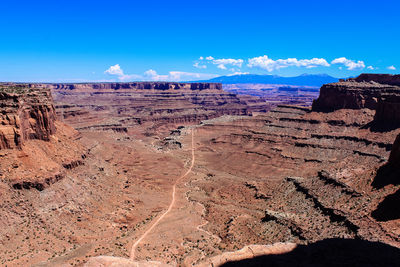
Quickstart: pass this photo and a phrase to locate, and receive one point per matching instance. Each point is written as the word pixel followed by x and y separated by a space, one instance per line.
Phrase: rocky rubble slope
pixel 312 173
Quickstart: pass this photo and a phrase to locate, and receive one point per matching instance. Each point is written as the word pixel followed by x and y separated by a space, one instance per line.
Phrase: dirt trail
pixel 171 205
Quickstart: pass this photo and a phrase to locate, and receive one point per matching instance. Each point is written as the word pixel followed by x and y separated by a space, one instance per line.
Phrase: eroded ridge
pixel 310 174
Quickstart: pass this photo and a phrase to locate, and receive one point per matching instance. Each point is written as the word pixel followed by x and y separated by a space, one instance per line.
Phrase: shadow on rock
pixel 379 127
pixel 388 209
pixel 330 252
pixel 386 175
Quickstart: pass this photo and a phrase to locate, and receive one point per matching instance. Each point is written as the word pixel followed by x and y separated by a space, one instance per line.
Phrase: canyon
pixel 188 174
pixel 123 106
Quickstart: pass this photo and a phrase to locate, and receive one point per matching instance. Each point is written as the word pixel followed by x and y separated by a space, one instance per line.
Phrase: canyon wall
pixel 123 106
pixel 35 149
pixel 352 95
pixel 380 92
pixel 26 113
pixel 388 111
pixel 365 91
pixel 162 86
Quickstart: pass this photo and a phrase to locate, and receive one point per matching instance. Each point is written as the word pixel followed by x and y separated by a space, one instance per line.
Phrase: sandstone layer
pixel 380 92
pixel 388 111
pixel 26 114
pixel 35 149
pixel 277 94
pixel 133 85
pixel 365 91
pixel 123 106
pixel 378 78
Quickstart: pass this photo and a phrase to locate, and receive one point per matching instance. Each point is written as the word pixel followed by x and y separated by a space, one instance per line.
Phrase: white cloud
pixel 227 61
pixel 223 63
pixel 221 66
pixel 370 68
pixel 115 70
pixel 350 64
pixel 197 65
pixel 391 68
pixel 152 75
pixel 201 58
pixel 238 73
pixel 264 62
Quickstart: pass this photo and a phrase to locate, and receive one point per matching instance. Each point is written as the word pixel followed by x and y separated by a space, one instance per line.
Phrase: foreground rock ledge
pixel 247 252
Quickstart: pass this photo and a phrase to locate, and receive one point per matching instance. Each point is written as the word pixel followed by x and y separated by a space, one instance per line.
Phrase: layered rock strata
pixel 35 149
pixel 365 91
pixel 132 85
pixel 26 113
pixel 311 172
pixel 378 78
pixel 388 111
pixel 121 106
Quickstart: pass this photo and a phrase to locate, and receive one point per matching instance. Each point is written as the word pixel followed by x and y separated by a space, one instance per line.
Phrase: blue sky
pixel 61 41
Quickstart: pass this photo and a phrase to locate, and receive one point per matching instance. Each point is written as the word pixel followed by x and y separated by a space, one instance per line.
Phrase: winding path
pixel 171 205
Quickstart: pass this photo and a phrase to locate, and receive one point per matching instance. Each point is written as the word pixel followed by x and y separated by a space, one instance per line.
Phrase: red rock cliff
pixel 26 113
pixel 380 92
pixel 365 91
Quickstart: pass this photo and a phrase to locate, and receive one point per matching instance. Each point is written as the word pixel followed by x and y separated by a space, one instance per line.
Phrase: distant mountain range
pixel 316 80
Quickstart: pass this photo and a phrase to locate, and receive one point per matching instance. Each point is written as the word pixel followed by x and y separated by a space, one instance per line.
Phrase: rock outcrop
pixel 378 78
pixel 110 261
pixel 35 149
pixel 364 91
pixel 351 95
pixel 388 111
pixel 380 92
pixel 26 113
